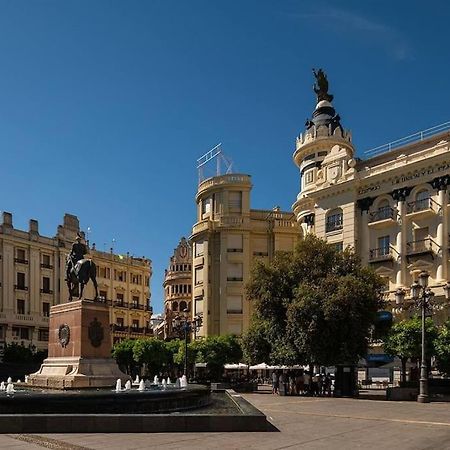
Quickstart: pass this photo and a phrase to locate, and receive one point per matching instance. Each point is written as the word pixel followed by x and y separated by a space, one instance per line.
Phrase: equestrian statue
pixel 80 270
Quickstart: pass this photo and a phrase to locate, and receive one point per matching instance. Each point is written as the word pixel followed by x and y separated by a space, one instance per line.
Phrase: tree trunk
pixel 403 377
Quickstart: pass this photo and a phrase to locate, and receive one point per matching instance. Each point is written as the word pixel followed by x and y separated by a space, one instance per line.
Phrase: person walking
pixel 275 382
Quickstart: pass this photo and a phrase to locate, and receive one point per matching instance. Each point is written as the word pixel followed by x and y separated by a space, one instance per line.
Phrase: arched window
pixel 174 306
pixel 334 220
pixel 383 212
pixel 183 305
pixel 422 201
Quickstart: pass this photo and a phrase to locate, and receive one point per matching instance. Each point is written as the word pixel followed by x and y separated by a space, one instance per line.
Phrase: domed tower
pixel 177 285
pixel 324 154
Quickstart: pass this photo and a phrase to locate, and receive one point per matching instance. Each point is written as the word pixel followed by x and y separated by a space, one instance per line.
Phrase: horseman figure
pixel 79 270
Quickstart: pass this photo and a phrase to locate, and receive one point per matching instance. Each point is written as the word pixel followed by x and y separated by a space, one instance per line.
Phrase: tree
pixel 442 349
pixel 122 352
pixel 152 353
pixel 15 353
pixel 405 340
pixel 315 305
pixel 216 351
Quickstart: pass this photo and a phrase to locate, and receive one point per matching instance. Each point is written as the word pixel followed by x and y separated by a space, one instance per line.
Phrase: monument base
pixel 77 373
pixel 79 349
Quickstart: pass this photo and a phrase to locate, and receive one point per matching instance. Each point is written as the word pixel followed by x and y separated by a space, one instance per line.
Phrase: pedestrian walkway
pixel 302 422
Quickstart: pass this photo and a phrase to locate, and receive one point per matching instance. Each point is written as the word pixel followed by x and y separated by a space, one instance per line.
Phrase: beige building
pixel 227 238
pixel 32 270
pixel 392 206
pixel 177 286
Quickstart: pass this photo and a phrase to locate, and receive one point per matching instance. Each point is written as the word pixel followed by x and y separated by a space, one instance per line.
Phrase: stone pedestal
pixel 79 349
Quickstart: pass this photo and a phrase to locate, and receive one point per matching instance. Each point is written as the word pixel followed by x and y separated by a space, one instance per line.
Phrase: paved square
pixel 314 423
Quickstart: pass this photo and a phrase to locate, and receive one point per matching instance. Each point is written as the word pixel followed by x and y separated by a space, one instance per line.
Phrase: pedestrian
pixel 275 381
pixel 300 384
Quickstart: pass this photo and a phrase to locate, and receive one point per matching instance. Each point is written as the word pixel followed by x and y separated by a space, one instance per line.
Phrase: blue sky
pixel 115 101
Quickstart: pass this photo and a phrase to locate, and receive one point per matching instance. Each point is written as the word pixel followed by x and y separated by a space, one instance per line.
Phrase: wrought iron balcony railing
pixel 386 212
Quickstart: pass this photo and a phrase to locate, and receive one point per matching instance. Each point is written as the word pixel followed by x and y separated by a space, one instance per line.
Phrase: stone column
pixel 400 196
pixel 363 230
pixel 440 184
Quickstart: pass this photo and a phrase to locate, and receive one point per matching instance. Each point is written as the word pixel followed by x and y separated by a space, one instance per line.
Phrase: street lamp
pixel 423 297
pixel 182 325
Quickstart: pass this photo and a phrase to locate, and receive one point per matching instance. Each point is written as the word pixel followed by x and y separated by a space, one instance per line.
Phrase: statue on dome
pixel 321 86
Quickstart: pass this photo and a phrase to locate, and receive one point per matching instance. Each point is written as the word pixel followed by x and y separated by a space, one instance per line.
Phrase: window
pixel 21 255
pixel 20 280
pixel 234 304
pixel 135 323
pixel 235 243
pixel 43 335
pixel 121 275
pixel 235 201
pixel 383 245
pixel 235 328
pixel 175 306
pixel 20 306
pixel 103 295
pixel 334 221
pixel 119 321
pixel 338 246
pixel 136 279
pixel 199 248
pixel 46 285
pixel 420 234
pixel 119 297
pixel 309 176
pixel 46 309
pixel 135 301
pixel 183 306
pixel 22 333
pixel 422 200
pixel 234 271
pixel 206 206
pixel 199 275
pixel 46 262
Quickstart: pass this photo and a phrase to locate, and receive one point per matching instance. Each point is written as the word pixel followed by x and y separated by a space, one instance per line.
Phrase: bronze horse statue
pixel 78 275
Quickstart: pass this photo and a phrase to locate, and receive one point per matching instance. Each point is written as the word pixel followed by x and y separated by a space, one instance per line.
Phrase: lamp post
pixel 183 326
pixel 422 297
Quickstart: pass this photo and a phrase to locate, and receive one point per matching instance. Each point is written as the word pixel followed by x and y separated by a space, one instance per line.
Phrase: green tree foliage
pixel 215 351
pixel 15 353
pixel 152 353
pixel 405 340
pixel 442 349
pixel 315 305
pixel 122 352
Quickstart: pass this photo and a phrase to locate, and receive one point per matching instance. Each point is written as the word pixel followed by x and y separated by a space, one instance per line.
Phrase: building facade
pixel 226 239
pixel 32 269
pixel 177 287
pixel 391 207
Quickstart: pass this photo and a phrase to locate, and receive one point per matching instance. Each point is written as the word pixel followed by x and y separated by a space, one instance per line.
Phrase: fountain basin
pixel 104 401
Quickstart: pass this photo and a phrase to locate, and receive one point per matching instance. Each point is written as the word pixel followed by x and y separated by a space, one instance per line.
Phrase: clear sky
pixel 106 105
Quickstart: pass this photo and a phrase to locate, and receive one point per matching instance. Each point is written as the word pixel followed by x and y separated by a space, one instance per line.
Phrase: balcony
pixel 120 304
pixel 423 207
pixel 137 330
pixel 20 287
pixel 120 328
pixel 46 291
pixel 421 247
pixel 20 261
pixel 136 306
pixel 380 254
pixel 385 216
pixel 46 266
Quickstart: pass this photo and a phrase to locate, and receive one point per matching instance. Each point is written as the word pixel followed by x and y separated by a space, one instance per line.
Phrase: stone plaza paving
pixel 302 422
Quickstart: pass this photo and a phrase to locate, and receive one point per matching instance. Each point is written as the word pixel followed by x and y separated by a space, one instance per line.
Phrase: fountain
pixel 10 388
pixel 136 381
pixel 156 380
pixel 2 386
pixel 183 382
pixel 164 384
pixel 141 385
pixel 128 385
pixel 168 380
pixel 177 383
pixel 118 385
pixel 9 380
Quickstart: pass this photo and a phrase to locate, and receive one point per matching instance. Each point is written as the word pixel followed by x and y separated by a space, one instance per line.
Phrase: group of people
pixel 299 382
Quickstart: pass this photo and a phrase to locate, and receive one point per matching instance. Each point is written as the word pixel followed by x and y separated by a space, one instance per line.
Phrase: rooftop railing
pixel 412 138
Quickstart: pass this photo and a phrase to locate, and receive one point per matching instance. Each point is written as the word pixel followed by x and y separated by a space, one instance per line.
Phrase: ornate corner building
pixel 227 237
pixel 32 271
pixel 178 287
pixel 392 207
